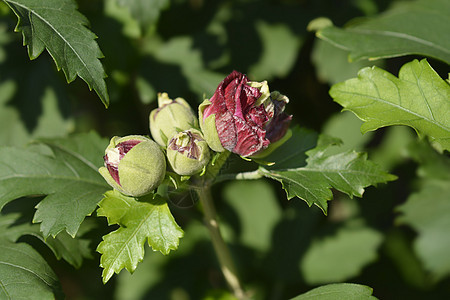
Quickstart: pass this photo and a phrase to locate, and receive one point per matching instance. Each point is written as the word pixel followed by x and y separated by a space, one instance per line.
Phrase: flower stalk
pixel 222 251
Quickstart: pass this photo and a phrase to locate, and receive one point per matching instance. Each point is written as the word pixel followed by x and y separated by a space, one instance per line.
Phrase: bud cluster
pixel 242 116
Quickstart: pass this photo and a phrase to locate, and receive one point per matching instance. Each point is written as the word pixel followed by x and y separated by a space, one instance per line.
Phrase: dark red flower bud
pixel 242 117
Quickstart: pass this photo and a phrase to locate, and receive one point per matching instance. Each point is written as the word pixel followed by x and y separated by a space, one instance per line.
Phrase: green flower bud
pixel 188 152
pixel 134 165
pixel 171 117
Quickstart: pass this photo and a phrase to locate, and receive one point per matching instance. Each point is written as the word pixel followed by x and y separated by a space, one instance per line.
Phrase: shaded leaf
pixel 158 276
pixel 256 205
pixel 349 172
pixel 147 277
pixel 144 11
pixel 72 250
pixel 24 274
pixel 392 149
pixel 332 65
pixel 16 134
pixel 280 47
pixel 219 295
pixel 31 95
pixel 49 123
pixel 397 246
pixel 69 179
pixel 292 154
pixel 339 291
pixel 130 26
pixel 340 256
pixel 71 44
pixel 139 221
pixel 345 126
pixel 415 27
pixel 418 98
pixel 427 210
pixel 181 52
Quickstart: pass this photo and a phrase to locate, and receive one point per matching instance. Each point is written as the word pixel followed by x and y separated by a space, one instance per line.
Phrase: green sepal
pixel 208 127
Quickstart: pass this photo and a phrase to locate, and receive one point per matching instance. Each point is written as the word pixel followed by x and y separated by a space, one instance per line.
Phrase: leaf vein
pixel 57 32
pixel 399 107
pixel 400 35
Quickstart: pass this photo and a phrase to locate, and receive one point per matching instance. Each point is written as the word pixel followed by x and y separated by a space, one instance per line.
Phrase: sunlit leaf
pixel 45 25
pixel 418 98
pixel 145 220
pixel 349 172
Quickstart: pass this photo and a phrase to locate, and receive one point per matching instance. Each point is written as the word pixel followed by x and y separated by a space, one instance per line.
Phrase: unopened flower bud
pixel 171 117
pixel 134 165
pixel 243 116
pixel 188 152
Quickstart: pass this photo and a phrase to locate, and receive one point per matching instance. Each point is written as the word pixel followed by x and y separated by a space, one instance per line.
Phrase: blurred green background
pixel 185 48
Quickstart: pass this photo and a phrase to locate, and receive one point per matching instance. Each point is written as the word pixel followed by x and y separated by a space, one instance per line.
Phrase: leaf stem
pixel 251 175
pixel 223 253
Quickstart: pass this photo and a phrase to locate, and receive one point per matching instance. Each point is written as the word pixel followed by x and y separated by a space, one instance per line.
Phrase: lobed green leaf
pixel 349 172
pixel 149 219
pixel 69 179
pixel 418 98
pixel 46 25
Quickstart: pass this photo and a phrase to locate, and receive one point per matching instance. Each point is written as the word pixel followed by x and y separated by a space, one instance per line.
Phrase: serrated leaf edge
pixel 105 99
